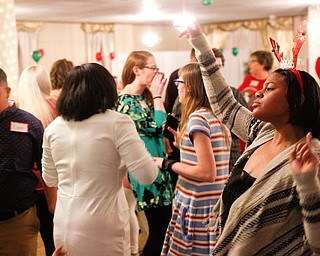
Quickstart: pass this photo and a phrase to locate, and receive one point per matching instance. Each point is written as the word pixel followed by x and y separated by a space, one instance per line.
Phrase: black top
pixel 238 183
pixel 171 92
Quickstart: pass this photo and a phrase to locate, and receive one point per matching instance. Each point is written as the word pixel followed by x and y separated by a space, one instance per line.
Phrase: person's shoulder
pixel 20 118
pixel 26 116
pixel 201 113
pixel 112 116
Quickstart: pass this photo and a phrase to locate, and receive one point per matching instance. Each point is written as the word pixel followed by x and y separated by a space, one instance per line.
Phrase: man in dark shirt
pixel 20 147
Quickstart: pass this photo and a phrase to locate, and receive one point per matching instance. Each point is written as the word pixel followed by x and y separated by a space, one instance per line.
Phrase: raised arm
pixel 222 101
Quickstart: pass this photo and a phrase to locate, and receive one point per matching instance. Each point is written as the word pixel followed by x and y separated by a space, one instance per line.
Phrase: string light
pixel 8 44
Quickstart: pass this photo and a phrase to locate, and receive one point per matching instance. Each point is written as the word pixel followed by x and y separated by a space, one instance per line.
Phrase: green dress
pixel 149 126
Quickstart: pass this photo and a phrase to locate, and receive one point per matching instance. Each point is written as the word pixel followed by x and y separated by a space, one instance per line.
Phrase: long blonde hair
pixel 33 90
pixel 195 98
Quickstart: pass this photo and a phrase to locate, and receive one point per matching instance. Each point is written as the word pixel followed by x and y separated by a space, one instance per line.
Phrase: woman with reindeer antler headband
pixel 271 202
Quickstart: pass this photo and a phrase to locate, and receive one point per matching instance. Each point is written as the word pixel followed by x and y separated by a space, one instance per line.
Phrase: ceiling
pixel 155 11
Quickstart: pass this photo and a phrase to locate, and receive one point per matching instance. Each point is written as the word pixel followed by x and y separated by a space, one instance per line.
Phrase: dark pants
pixel 46 224
pixel 158 221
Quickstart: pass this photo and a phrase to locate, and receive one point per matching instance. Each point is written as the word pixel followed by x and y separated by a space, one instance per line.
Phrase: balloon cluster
pixel 207 2
pixel 99 56
pixel 37 55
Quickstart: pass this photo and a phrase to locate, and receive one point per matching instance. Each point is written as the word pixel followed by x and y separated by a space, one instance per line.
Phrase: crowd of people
pixel 81 153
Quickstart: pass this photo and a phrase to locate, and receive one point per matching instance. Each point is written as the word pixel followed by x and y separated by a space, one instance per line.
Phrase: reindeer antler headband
pixel 299 39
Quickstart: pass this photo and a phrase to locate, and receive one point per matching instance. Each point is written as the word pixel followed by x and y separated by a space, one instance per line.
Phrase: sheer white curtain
pixel 100 39
pixel 27 33
pixel 247 37
pixel 246 41
pixel 27 43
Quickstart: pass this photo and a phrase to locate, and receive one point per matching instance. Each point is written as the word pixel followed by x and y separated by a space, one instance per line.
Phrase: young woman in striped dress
pixel 204 144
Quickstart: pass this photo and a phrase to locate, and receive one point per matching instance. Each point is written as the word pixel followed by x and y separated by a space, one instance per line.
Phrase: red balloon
pixel 41 52
pixel 99 56
pixel 111 55
pixel 318 67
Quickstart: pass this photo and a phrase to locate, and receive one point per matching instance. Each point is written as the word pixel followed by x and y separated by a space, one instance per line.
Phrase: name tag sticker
pixel 19 127
pixel 254 83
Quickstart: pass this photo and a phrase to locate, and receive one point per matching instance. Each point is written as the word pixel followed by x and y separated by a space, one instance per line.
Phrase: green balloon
pixel 207 2
pixel 235 51
pixel 36 55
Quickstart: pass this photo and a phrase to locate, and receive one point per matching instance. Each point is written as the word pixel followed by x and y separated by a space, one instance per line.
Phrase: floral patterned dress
pixel 149 126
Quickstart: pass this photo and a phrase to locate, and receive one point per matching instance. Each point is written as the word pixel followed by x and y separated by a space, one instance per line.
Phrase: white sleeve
pixel 49 172
pixel 133 151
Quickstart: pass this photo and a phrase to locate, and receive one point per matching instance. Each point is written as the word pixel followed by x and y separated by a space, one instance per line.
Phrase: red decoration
pixel 111 55
pixel 41 52
pixel 299 40
pixel 99 56
pixel 318 67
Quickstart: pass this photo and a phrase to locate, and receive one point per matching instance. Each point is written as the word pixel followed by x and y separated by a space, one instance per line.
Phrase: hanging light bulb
pixel 150 39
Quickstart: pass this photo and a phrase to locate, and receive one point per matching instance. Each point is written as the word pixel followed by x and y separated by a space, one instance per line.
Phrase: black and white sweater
pixel 280 213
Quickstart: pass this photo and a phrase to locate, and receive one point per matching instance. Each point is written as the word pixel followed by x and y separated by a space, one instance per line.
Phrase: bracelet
pixel 157 97
pixel 167 164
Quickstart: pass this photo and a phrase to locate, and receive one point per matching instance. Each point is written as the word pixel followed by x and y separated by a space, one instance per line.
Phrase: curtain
pixel 247 37
pixel 100 43
pixel 27 33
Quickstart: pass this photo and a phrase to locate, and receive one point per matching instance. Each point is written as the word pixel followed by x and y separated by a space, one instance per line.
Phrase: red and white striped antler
pixel 299 39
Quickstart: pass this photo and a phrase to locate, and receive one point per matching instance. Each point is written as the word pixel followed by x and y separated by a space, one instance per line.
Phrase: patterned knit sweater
pixel 280 213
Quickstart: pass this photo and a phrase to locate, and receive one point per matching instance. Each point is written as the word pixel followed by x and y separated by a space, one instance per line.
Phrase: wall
pixel 67 40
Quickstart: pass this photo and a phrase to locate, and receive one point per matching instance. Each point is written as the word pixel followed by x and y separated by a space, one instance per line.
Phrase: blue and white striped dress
pixel 187 233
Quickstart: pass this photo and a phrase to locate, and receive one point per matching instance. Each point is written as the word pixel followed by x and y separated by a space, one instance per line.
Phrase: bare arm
pixel 205 170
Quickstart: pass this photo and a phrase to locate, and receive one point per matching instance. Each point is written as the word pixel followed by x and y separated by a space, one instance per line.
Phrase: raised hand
pixel 157 85
pixel 302 157
pixel 192 31
pixel 58 252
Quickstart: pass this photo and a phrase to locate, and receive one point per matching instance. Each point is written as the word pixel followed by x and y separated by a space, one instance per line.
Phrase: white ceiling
pixel 160 12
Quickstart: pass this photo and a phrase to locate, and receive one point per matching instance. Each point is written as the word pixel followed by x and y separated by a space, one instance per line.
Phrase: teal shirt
pixel 149 126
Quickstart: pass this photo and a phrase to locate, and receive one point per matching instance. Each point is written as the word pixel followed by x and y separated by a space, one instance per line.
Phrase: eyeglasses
pixel 178 81
pixel 154 69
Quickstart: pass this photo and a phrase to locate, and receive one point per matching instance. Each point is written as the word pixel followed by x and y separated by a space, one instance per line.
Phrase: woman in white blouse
pixel 86 153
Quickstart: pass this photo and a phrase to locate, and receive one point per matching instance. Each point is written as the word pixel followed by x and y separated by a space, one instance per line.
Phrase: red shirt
pixel 249 87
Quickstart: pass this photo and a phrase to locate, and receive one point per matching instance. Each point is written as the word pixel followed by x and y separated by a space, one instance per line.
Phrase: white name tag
pixel 254 83
pixel 19 127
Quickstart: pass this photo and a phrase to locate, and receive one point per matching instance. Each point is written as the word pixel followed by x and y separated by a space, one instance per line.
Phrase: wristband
pixel 157 97
pixel 167 164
